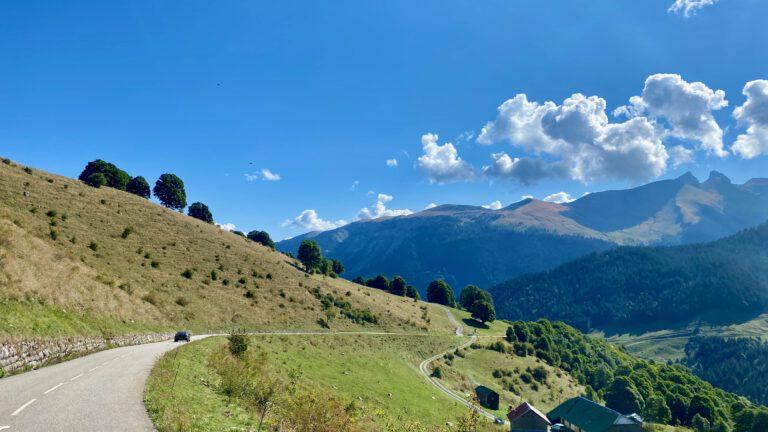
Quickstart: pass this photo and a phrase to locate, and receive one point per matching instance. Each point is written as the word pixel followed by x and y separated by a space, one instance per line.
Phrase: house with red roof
pixel 526 418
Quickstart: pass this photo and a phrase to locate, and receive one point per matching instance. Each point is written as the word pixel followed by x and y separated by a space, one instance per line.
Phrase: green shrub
pixel 54 234
pixel 437 373
pixel 7 162
pixel 187 273
pixel 28 170
pixel 238 343
pixel 154 264
pixel 51 213
pixel 126 232
pixel 93 246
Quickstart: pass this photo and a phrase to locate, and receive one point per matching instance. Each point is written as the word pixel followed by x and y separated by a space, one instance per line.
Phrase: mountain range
pixel 470 244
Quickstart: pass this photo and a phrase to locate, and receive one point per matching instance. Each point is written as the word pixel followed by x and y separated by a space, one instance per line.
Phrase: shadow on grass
pixel 475 323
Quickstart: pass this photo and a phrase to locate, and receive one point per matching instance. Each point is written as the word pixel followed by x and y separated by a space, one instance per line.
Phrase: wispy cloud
pixel 688 8
pixel 264 174
pixel 392 162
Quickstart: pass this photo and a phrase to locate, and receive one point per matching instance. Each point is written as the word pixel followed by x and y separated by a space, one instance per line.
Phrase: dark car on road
pixel 182 336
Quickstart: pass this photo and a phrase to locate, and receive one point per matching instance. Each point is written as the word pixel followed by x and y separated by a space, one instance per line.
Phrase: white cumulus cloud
pixel 689 7
pixel 309 220
pixel 379 209
pixel 559 198
pixel 226 226
pixel 578 138
pixel 686 107
pixel 392 162
pixel 441 163
pixel 494 205
pixel 753 115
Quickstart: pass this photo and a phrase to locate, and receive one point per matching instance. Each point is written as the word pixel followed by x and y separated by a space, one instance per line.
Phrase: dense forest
pixel 648 288
pixel 661 393
pixel 739 365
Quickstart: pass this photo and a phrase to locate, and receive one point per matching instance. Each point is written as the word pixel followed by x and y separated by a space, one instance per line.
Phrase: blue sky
pixel 322 94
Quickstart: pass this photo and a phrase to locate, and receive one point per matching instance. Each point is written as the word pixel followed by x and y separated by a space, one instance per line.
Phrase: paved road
pixel 104 391
pixel 99 392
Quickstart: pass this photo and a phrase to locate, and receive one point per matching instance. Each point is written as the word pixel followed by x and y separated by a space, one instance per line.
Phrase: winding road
pixel 104 391
pixel 424 368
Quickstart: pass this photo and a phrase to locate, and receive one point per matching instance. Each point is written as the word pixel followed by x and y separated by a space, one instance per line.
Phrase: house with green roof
pixel 582 415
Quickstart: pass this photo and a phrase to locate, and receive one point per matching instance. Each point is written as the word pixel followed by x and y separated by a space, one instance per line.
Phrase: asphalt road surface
pixel 99 392
pixel 104 391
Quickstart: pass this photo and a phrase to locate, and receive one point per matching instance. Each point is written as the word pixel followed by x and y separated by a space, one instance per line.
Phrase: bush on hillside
pixel 470 294
pixel 238 343
pixel 412 292
pixel 261 237
pixel 169 189
pixel 398 286
pixel 379 282
pixel 310 255
pixel 440 292
pixel 114 177
pixel 200 211
pixel 96 180
pixel 337 267
pixel 483 311
pixel 139 186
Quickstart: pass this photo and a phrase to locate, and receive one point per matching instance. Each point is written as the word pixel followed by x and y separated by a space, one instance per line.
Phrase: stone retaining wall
pixel 21 355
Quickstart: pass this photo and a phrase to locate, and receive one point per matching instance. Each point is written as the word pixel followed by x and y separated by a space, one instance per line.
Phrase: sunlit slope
pixel 79 260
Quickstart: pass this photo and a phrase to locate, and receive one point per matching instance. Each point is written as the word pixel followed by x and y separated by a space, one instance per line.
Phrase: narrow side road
pixel 424 368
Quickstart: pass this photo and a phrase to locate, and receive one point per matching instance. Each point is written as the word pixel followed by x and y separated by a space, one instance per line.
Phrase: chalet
pixel 487 397
pixel 582 415
pixel 526 418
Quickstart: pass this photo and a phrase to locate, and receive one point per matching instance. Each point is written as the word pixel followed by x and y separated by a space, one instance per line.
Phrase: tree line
pixel 169 190
pixel 472 299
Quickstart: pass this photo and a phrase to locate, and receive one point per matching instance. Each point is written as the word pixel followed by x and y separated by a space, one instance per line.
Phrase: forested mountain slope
pixel 648 288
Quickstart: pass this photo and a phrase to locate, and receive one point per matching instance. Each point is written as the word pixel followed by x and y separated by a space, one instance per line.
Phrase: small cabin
pixel 487 397
pixel 582 415
pixel 526 418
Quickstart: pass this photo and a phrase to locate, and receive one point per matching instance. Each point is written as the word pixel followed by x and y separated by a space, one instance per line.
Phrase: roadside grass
pixel 477 366
pixel 34 320
pixel 181 393
pixel 378 374
pixel 63 246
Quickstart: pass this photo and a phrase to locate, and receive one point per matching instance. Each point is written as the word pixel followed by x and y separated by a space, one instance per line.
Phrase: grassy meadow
pixel 375 378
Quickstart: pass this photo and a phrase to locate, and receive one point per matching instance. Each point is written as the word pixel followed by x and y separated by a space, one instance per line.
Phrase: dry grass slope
pixel 78 260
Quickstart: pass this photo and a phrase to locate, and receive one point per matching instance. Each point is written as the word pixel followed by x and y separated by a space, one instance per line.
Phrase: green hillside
pixel 78 260
pixel 639 289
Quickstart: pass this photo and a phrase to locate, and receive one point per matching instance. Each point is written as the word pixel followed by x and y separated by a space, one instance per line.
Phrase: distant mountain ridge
pixel 469 244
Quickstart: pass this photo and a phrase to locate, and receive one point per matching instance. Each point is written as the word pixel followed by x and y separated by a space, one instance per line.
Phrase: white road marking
pixel 4 427
pixel 105 363
pixel 53 388
pixel 93 369
pixel 74 378
pixel 22 407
